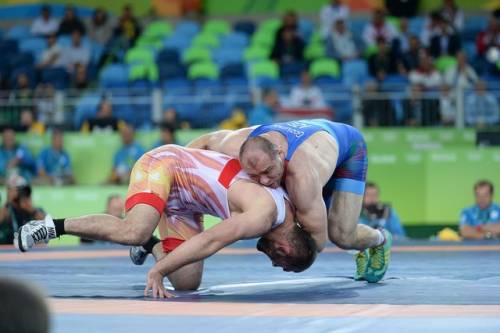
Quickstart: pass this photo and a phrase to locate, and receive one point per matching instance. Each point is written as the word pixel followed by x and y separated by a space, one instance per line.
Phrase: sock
pixel 59 223
pixel 150 244
pixel 380 238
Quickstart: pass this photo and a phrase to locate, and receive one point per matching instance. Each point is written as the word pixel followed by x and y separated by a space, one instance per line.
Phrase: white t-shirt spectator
pixel 307 97
pixel 464 79
pixel 371 33
pixel 329 14
pixel 342 45
pixel 53 52
pixel 41 27
pixel 431 79
pixel 73 55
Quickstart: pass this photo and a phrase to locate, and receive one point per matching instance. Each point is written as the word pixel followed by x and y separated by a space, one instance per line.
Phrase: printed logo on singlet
pixel 294 128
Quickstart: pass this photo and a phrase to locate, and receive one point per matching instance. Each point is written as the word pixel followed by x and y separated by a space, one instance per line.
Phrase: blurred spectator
pixel 70 23
pixel 128 28
pixel 425 75
pixel 289 21
pixel 115 206
pixel 410 58
pixel 100 27
pixel 452 14
pixel 264 112
pixel 377 108
pixel 378 29
pixel 51 56
pixel 402 8
pixel 18 209
pixel 420 110
pixel 432 27
pixel 381 63
pixel 80 79
pixel 104 121
pixel 481 221
pixel 45 104
pixel 126 156
pixel 307 95
pixel 15 159
pixel 462 74
pixel 487 41
pixel 330 14
pixel 21 99
pixel 237 120
pixel 24 308
pixel 378 214
pixel 481 107
pixel 401 43
pixel 447 106
pixel 54 163
pixel 77 53
pixel 45 24
pixel 170 117
pixel 288 47
pixel 29 123
pixel 340 44
pixel 167 135
pixel 444 41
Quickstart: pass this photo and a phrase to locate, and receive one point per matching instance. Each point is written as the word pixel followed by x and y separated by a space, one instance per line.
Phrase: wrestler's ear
pixel 281 152
pixel 284 248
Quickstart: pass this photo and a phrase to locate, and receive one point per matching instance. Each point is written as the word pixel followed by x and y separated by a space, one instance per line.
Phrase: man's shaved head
pixel 258 143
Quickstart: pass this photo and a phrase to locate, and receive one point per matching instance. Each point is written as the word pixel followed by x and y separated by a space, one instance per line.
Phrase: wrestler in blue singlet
pixel 352 162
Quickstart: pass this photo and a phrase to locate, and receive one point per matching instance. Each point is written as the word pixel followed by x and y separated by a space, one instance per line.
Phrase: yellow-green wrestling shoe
pixel 380 257
pixel 361 265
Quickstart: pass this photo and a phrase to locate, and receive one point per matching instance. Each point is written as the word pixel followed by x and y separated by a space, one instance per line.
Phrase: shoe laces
pixel 39 233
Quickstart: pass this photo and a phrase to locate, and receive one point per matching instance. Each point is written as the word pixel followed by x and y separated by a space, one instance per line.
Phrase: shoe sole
pixel 20 243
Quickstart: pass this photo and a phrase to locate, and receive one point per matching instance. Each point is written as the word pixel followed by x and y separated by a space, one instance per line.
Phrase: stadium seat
pixel 256 53
pixel 270 26
pixel 178 42
pixel 143 71
pixel 24 59
pixel 206 39
pixel 314 51
pixel 292 70
pixel 85 108
pixel 265 73
pixel 206 85
pixel 18 32
pixel 203 70
pixel 186 29
pixel 196 54
pixel 246 27
pixel 168 56
pixel 177 84
pixel 147 42
pixel 306 29
pixel 416 25
pixel 217 27
pixel 264 39
pixel 8 46
pixel 139 56
pixel 444 63
pixel 234 40
pixel 114 76
pixel 324 68
pixel 226 56
pixel 171 71
pixel 158 29
pixel 354 72
pixel 57 77
pixel 234 75
pixel 34 45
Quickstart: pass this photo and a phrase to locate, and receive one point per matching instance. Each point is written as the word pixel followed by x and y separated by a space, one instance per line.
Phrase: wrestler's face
pixel 264 168
pixel 274 252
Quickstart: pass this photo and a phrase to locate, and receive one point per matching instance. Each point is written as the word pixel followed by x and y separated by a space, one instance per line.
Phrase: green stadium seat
pixel 263 39
pixel 196 54
pixel 217 27
pixel 206 39
pixel 315 51
pixel 324 67
pixel 444 63
pixel 265 69
pixel 203 70
pixel 143 71
pixel 158 29
pixel 139 55
pixel 270 26
pixel 254 53
pixel 148 42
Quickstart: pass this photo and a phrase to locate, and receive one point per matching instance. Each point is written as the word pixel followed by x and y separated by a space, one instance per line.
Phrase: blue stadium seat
pixel 172 71
pixel 85 108
pixel 306 29
pixel 473 25
pixel 57 77
pixel 226 56
pixel 234 75
pixel 354 72
pixel 176 84
pixel 8 47
pixel 24 59
pixel 292 70
pixel 168 56
pixel 246 27
pixel 114 76
pixel 357 26
pixel 234 40
pixel 18 32
pixel 34 45
pixel 470 49
pixel 206 85
pixel 186 28
pixel 416 25
pixel 177 42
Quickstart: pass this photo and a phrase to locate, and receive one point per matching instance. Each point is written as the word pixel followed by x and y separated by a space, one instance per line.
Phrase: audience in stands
pixel 330 14
pixel 376 107
pixel 128 27
pixel 377 214
pixel 410 60
pixel 15 159
pixel 45 24
pixel 447 105
pixel 104 121
pixel 29 123
pixel 452 14
pixel 487 41
pixel 426 74
pixel 45 105
pixel 382 63
pixel 100 27
pixel 76 53
pixel 402 8
pixel 264 112
pixel 481 107
pixel 378 29
pixel 54 163
pixel 18 208
pixel 445 40
pixel 432 27
pixel 51 56
pixel 420 109
pixel 481 221
pixel 340 43
pixel 401 43
pixel 306 95
pixel 80 79
pixel 288 47
pixel 126 156
pixel 167 135
pixel 462 74
pixel 70 22
pixel 237 120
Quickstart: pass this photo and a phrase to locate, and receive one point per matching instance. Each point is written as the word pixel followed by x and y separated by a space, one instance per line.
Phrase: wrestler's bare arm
pixel 224 141
pixel 305 191
pixel 209 141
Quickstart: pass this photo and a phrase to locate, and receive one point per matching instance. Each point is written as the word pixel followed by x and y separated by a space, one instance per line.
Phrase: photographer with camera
pixel 378 214
pixel 18 209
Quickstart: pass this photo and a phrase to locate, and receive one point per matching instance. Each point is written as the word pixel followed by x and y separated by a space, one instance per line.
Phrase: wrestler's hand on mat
pixel 155 283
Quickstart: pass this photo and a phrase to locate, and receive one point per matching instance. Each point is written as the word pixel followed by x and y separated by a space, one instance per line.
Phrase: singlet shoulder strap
pixel 230 170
